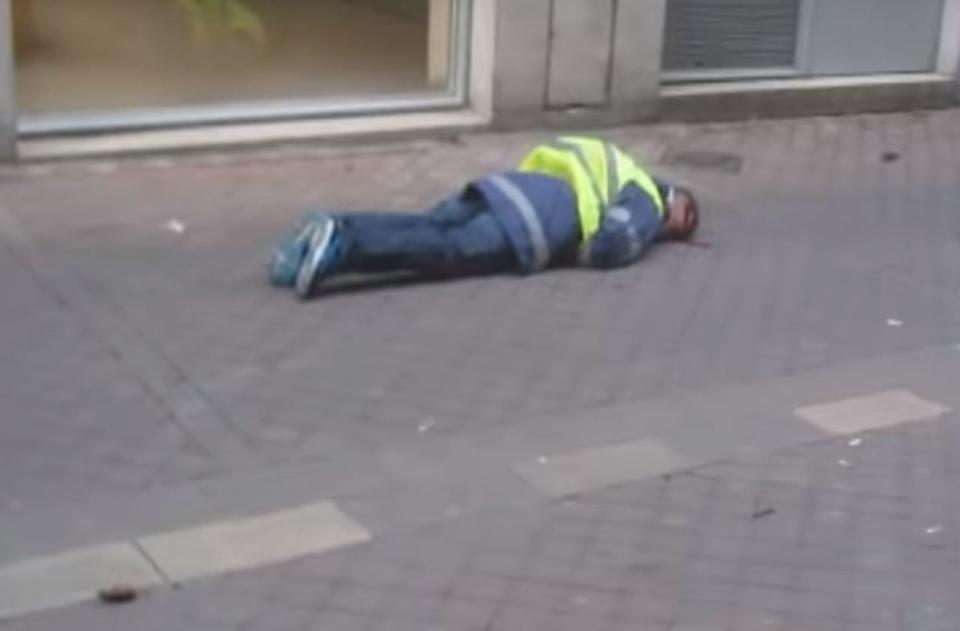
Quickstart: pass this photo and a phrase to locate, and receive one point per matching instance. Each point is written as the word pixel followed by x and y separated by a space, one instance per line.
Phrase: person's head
pixel 682 214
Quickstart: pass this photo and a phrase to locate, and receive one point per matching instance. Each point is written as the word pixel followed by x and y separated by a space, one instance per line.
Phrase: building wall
pixel 571 62
pixel 570 59
pixel 558 62
pixel 948 61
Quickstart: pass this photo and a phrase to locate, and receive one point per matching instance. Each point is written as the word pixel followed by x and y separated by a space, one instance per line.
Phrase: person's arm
pixel 629 227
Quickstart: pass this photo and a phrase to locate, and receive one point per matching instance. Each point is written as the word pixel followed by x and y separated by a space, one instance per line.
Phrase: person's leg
pixel 372 243
pixel 288 256
pixel 456 211
pixel 289 252
pixel 422 244
pixel 378 220
pixel 479 247
pixel 450 212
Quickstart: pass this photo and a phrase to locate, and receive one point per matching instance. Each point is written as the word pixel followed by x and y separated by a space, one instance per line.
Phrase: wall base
pixel 806 97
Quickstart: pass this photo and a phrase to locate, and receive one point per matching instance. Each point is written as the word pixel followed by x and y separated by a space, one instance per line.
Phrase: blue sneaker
pixel 322 255
pixel 288 255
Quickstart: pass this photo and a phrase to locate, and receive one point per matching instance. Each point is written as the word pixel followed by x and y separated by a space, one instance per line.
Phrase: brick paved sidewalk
pixel 818 242
pixel 151 382
pixel 855 534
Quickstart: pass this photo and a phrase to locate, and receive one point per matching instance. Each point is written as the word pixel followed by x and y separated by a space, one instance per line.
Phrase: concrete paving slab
pixel 247 543
pixel 593 469
pixel 71 577
pixel 883 409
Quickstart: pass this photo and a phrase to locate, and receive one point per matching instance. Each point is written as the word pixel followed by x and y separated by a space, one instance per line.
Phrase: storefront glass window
pixel 76 56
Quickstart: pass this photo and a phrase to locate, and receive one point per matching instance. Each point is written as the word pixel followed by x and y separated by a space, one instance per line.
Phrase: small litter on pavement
pixel 118 593
pixel 426 426
pixel 176 226
pixel 933 530
pixel 894 322
pixel 856 442
pixel 890 156
pixel 844 463
pixel 764 513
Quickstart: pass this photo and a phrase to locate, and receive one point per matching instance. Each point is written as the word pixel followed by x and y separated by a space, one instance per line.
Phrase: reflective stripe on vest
pixel 586 164
pixel 613 172
pixel 538 239
pixel 570 163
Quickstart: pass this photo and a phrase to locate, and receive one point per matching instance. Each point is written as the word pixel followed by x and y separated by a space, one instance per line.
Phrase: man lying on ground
pixel 576 201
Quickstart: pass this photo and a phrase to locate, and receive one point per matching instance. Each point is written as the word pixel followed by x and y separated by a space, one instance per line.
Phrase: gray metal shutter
pixel 731 34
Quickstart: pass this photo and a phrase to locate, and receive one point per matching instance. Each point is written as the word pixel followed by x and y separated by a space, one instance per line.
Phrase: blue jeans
pixel 459 237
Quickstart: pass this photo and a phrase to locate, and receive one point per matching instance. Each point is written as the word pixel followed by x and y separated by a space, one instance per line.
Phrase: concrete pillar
pixel 581 47
pixel 573 61
pixel 8 98
pixel 948 57
pixel 637 57
pixel 520 71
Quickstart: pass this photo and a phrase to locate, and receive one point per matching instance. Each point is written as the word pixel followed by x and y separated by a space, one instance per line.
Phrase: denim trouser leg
pixel 455 239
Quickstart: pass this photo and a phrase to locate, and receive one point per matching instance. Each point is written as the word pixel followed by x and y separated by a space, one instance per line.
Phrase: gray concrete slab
pixel 72 577
pixel 562 475
pixel 243 544
pixel 860 414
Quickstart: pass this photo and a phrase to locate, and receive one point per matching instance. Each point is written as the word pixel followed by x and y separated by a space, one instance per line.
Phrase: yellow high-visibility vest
pixel 596 170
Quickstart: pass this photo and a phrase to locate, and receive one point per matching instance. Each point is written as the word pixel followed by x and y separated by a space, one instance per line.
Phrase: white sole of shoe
pixel 319 243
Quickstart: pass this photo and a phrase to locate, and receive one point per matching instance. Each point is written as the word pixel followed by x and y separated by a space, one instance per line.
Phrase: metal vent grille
pixel 731 34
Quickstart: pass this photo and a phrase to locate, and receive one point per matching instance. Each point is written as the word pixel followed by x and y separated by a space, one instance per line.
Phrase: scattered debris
pixel 890 156
pixel 426 426
pixel 894 322
pixel 763 513
pixel 176 226
pixel 855 442
pixel 118 593
pixel 844 463
pixel 933 530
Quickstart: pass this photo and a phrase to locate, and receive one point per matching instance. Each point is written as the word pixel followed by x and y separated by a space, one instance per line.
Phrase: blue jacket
pixel 539 215
pixel 629 227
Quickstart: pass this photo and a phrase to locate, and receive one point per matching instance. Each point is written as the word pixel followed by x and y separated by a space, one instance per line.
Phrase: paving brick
pixel 812 252
pixel 755 583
